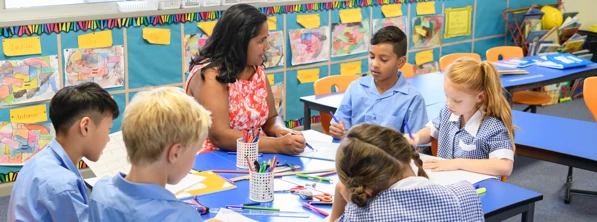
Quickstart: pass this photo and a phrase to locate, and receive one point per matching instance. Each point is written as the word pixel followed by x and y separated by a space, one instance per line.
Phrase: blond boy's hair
pixel 160 117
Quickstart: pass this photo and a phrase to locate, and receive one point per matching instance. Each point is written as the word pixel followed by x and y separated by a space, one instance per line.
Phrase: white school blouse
pixel 480 138
pixel 419 199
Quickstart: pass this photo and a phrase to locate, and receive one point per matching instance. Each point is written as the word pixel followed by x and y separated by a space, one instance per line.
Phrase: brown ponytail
pixel 471 74
pixel 419 163
pixel 371 158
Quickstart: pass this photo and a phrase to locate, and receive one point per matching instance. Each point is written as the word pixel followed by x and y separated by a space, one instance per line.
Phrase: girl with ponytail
pixel 474 130
pixel 382 179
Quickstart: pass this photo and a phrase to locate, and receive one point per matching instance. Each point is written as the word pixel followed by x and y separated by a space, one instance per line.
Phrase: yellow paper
pixel 394 10
pixel 351 15
pixel 21 46
pixel 458 21
pixel 307 75
pixel 212 183
pixel 96 40
pixel 270 78
pixel 207 27
pixel 425 8
pixel 157 36
pixel 31 114
pixel 424 57
pixel 421 31
pixel 271 22
pixel 350 68
pixel 308 21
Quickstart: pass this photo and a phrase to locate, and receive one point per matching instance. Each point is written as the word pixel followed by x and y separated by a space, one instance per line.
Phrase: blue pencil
pixel 408 130
pixel 335 119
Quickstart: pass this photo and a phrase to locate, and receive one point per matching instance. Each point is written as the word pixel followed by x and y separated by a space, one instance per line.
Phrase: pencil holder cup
pixel 243 150
pixel 261 188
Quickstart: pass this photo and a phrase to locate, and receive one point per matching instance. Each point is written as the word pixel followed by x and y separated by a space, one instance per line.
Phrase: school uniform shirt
pixel 362 103
pixel 116 199
pixel 418 199
pixel 49 188
pixel 480 138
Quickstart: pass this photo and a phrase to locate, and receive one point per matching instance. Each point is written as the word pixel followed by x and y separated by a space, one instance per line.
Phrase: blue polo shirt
pixel 116 199
pixel 49 188
pixel 362 103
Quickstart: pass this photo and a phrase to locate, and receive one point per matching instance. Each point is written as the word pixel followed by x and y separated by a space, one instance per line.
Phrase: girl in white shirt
pixel 381 179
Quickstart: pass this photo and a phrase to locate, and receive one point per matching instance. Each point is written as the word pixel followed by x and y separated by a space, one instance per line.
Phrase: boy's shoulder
pixel 44 171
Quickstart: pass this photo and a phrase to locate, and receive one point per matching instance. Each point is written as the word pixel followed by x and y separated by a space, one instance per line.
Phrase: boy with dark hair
pixel 384 97
pixel 49 186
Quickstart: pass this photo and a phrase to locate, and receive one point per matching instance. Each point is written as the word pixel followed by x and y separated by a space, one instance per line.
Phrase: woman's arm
pixel 213 96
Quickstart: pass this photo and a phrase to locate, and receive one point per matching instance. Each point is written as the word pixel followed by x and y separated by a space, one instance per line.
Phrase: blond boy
pixel 163 129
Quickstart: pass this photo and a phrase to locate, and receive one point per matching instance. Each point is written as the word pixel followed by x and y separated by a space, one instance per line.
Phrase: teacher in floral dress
pixel 228 78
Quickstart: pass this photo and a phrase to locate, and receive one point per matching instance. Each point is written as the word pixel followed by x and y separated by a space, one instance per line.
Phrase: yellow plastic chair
pixel 589 93
pixel 324 86
pixel 408 70
pixel 530 98
pixel 446 60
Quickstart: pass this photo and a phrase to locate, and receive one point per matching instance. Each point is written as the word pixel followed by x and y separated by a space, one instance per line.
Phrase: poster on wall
pixel 350 38
pixel 104 66
pixel 427 31
pixel 429 67
pixel 28 80
pixel 192 45
pixel 19 142
pixel 309 45
pixel 399 22
pixel 275 54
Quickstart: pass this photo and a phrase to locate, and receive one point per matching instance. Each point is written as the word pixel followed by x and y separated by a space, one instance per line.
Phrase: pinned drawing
pixel 425 68
pixel 104 66
pixel 309 45
pixel 427 31
pixel 399 22
pixel 19 142
pixel 350 38
pixel 28 80
pixel 278 92
pixel 275 54
pixel 192 45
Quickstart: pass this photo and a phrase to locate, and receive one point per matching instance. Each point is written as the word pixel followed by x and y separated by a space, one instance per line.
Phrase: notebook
pixel 325 149
pixel 563 61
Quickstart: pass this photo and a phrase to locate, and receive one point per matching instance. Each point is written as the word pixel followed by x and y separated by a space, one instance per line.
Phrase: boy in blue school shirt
pixel 49 186
pixel 384 97
pixel 163 129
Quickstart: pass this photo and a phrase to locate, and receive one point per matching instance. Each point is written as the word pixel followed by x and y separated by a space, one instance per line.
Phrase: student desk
pixel 559 140
pixel 501 201
pixel 431 87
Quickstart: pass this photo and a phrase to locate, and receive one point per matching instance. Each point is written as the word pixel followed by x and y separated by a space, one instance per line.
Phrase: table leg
pixel 307 117
pixel 568 186
pixel 529 215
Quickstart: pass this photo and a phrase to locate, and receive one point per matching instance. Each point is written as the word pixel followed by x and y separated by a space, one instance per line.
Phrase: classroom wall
pixel 586 9
pixel 148 65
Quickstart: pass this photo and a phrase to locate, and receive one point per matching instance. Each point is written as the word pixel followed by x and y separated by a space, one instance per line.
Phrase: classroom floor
pixel 540 176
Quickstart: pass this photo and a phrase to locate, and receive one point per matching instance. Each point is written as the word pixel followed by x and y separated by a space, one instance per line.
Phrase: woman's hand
pixel 291 144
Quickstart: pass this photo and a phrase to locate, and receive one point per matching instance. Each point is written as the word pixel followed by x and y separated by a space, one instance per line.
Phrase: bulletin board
pixel 138 58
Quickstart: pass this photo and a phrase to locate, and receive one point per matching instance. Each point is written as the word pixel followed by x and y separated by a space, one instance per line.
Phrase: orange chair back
pixel 324 86
pixel 408 70
pixel 589 93
pixel 507 52
pixel 446 60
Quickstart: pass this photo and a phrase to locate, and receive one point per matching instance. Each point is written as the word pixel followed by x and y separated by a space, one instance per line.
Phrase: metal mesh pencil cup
pixel 243 149
pixel 261 188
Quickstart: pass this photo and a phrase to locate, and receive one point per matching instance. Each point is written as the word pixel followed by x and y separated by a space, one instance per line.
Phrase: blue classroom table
pixel 501 201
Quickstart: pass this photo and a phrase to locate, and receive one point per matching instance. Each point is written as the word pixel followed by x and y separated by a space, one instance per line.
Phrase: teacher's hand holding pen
pixel 292 144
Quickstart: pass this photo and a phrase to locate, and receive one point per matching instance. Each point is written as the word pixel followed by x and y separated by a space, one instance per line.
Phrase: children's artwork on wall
pixel 28 80
pixel 350 38
pixel 104 66
pixel 309 45
pixel 278 91
pixel 399 22
pixel 19 142
pixel 426 31
pixel 192 44
pixel 275 54
pixel 425 68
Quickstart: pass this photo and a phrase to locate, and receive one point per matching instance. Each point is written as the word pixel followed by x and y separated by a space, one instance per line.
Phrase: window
pixel 37 3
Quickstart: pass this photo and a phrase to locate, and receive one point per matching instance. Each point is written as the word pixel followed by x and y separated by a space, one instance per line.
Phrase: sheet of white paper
pixel 280 185
pixel 325 149
pixel 451 177
pixel 185 183
pixel 226 215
